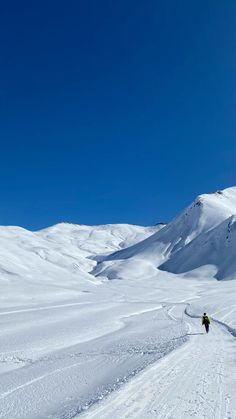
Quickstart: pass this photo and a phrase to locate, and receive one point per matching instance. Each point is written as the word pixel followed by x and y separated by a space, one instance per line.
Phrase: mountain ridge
pixel 205 213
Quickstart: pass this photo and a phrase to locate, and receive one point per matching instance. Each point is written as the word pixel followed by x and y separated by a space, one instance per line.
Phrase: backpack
pixel 205 320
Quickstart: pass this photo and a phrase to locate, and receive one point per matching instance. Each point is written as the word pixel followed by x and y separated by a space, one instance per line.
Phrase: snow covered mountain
pixel 198 236
pixel 57 259
pixel 97 239
pixel 216 247
pixel 66 257
pixel 74 344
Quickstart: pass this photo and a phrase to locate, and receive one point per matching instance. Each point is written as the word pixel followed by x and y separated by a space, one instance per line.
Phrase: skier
pixel 206 321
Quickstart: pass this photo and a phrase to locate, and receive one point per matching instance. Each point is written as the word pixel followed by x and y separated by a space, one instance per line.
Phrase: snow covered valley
pixel 105 321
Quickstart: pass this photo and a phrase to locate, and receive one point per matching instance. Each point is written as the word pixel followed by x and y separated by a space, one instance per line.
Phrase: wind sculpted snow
pixel 55 262
pixel 202 234
pixel 105 321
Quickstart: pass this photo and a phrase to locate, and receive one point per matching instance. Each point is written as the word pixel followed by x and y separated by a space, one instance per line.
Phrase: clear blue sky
pixel 114 111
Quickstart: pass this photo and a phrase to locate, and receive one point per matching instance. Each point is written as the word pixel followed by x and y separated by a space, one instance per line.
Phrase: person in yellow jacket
pixel 206 322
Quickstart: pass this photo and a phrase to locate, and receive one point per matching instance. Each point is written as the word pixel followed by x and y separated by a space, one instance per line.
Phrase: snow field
pixel 192 381
pixel 104 321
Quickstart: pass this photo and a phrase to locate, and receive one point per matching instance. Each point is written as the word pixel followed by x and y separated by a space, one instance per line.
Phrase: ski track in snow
pixel 191 381
pixel 28 310
pixel 103 322
pixel 37 375
pixel 147 360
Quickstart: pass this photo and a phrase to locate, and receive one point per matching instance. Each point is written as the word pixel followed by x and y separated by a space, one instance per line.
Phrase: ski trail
pixel 196 380
pixel 57 306
pixel 35 380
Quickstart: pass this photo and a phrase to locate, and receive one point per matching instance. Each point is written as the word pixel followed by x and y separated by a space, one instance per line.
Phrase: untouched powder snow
pixel 54 263
pixel 105 321
pixel 99 239
pixel 216 247
pixel 187 242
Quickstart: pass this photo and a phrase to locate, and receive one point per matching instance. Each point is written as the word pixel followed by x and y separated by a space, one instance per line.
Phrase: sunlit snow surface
pixel 91 327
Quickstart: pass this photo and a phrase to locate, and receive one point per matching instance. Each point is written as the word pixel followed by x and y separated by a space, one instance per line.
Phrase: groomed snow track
pixel 196 380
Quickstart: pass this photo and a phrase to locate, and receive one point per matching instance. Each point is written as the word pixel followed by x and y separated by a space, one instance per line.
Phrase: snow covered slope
pixel 57 260
pixel 97 239
pixel 75 345
pixel 207 212
pixel 191 381
pixel 216 247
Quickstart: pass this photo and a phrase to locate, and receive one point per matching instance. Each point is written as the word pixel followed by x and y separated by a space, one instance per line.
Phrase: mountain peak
pixel 203 215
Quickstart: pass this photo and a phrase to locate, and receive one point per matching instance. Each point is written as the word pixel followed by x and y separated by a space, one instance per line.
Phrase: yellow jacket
pixel 206 319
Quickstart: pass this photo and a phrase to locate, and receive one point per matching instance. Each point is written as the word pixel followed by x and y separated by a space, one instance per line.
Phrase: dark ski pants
pixel 207 327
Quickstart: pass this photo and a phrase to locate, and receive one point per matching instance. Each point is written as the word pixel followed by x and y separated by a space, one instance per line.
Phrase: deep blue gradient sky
pixel 114 111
